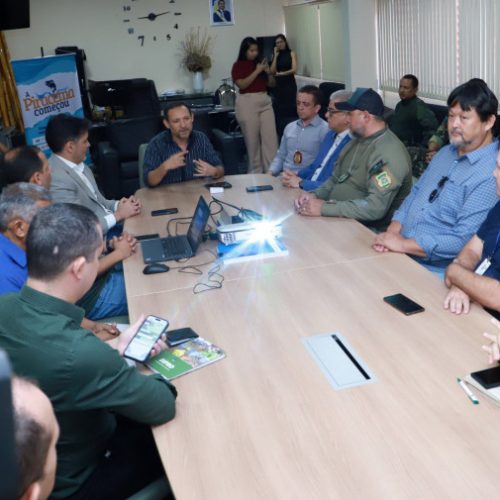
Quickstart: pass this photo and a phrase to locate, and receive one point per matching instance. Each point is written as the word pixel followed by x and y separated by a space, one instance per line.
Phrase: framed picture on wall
pixel 221 12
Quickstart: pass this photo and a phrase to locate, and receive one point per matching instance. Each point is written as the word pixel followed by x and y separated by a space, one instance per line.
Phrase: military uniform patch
pixel 383 180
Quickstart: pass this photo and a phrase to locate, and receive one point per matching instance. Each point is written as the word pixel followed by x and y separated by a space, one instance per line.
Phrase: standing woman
pixel 284 67
pixel 254 110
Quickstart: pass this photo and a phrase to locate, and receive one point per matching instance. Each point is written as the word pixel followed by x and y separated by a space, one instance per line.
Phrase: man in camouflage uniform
pixel 373 173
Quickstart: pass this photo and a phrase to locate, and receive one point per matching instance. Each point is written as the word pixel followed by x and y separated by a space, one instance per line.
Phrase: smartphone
pixel 256 189
pixel 403 304
pixel 222 184
pixel 489 378
pixel 145 338
pixel 164 211
pixel 176 337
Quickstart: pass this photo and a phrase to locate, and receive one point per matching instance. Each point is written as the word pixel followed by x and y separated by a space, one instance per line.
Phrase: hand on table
pixel 290 179
pixel 457 301
pixel 308 205
pixel 493 348
pixel 124 245
pixel 127 207
pixel 389 241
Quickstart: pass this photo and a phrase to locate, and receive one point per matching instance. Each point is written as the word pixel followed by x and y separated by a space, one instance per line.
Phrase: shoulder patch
pixel 383 180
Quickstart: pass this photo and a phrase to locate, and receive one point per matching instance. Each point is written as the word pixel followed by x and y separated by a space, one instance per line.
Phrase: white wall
pixel 97 26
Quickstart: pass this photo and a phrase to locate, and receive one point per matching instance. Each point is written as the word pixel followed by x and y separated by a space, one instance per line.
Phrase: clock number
pixel 169 38
pixel 126 8
pixel 141 38
pixel 130 31
pixel 176 26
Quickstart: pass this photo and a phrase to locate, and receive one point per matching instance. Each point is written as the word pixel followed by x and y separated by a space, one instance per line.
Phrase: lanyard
pixel 497 243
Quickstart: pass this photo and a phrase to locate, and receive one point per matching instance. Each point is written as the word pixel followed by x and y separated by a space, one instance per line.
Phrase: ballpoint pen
pixel 467 391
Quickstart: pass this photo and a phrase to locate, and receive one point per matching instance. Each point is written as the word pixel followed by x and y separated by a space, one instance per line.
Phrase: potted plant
pixel 195 55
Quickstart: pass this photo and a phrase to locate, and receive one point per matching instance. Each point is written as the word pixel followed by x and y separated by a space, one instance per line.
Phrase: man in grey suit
pixel 72 181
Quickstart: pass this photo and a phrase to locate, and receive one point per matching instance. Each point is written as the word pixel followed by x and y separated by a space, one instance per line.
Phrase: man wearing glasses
pixel 301 138
pixel 451 199
pixel 373 174
pixel 311 177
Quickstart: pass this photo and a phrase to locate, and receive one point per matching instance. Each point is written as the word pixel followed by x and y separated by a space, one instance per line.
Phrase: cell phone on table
pixel 256 189
pixel 403 304
pixel 176 337
pixel 145 338
pixel 164 211
pixel 489 378
pixel 221 184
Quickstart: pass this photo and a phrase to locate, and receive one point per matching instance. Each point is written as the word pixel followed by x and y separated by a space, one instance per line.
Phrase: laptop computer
pixel 178 247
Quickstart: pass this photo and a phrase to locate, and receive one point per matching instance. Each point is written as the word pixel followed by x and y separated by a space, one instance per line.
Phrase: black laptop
pixel 178 247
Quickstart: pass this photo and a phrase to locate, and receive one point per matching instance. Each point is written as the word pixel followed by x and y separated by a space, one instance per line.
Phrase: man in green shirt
pixel 413 122
pixel 373 172
pixel 103 406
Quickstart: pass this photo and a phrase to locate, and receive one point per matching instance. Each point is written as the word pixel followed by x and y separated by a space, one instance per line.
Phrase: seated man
pixel 450 201
pixel 373 173
pixel 72 181
pixel 18 205
pixel 26 164
pixel 104 406
pixel 36 435
pixel 475 273
pixel 179 153
pixel 302 138
pixel 413 122
pixel 311 177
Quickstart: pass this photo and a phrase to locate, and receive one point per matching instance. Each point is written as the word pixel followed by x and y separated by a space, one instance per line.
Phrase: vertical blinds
pixel 442 42
pixel 315 33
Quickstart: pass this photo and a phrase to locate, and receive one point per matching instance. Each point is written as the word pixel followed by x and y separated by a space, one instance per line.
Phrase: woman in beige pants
pixel 254 110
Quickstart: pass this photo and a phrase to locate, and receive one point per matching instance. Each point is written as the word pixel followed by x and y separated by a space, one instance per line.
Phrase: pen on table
pixel 467 391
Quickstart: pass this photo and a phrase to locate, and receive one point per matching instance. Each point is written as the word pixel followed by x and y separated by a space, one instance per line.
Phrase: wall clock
pixel 151 21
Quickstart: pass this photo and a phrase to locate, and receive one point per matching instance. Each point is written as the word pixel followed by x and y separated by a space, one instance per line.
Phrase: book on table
pixel 185 358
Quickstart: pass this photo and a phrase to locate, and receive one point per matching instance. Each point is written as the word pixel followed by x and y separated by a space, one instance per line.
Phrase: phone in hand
pixel 403 304
pixel 176 337
pixel 145 338
pixel 489 378
pixel 256 189
pixel 165 211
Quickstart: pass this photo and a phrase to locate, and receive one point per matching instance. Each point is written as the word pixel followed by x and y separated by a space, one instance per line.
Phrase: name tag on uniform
pixel 483 267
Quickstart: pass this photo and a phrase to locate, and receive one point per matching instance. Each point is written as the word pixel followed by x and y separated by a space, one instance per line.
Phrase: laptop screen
pixel 197 226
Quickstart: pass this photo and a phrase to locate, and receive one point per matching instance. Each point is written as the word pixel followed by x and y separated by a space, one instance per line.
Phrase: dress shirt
pixel 442 228
pixel 78 168
pixel 13 267
pixel 162 147
pixel 297 137
pixel 87 381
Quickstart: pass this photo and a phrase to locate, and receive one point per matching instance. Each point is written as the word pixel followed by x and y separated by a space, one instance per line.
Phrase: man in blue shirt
pixel 311 177
pixel 450 201
pixel 19 203
pixel 475 273
pixel 301 138
pixel 179 153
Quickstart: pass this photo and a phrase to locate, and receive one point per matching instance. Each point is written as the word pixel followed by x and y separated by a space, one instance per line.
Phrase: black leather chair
pixel 117 158
pixel 232 150
pixel 327 89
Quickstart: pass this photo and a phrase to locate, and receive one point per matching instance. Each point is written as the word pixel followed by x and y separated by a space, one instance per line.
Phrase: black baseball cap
pixel 365 100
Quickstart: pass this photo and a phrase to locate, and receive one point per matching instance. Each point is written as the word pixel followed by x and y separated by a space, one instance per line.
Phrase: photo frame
pixel 221 12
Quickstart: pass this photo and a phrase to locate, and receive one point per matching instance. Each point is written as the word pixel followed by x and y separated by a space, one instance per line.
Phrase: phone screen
pixel 404 304
pixel 489 378
pixel 143 341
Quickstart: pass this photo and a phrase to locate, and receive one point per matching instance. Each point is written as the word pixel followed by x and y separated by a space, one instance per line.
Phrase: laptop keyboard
pixel 176 246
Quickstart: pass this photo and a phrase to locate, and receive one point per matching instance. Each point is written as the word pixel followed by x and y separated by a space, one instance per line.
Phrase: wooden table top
pixel 265 423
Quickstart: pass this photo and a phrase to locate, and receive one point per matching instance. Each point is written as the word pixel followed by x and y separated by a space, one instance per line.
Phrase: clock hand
pixel 153 16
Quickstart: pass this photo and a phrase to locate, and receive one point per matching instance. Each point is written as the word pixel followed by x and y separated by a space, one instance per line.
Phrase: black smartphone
pixel 221 184
pixel 176 337
pixel 403 304
pixel 145 338
pixel 142 237
pixel 164 211
pixel 488 378
pixel 256 189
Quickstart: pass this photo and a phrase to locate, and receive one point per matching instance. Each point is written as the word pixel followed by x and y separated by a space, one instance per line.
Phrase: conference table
pixel 265 423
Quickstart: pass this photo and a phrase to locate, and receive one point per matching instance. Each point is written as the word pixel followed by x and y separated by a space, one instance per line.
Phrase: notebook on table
pixel 178 247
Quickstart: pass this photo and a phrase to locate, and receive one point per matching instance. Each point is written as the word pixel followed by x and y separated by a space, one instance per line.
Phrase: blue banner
pixel 46 86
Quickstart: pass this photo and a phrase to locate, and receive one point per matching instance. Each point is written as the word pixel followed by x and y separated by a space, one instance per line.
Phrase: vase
pixel 198 82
